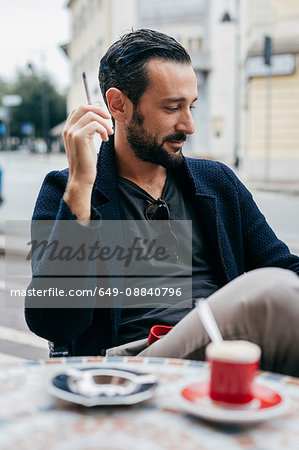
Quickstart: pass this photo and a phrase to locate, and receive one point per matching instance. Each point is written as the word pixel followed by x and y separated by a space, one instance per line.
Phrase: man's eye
pixel 172 109
pixel 192 107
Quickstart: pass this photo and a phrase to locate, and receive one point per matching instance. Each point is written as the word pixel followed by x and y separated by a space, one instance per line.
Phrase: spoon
pixel 208 320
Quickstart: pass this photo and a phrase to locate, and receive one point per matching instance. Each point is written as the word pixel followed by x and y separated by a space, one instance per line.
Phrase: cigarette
pixel 86 88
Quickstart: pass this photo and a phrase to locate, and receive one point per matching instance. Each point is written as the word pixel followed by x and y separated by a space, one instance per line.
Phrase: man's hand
pixel 78 134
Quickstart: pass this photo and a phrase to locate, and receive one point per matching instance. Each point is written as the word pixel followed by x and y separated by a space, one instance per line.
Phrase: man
pixel 150 89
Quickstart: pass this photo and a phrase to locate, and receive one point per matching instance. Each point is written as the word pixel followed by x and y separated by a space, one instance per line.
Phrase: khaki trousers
pixel 261 306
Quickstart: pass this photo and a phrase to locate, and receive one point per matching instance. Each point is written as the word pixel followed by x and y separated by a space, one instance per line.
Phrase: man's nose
pixel 186 123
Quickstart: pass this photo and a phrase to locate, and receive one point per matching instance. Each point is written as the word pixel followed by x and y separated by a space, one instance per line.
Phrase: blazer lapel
pixel 208 217
pixel 206 209
pixel 104 196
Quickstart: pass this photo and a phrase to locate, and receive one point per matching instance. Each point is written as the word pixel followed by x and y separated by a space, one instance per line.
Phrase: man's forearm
pixel 78 198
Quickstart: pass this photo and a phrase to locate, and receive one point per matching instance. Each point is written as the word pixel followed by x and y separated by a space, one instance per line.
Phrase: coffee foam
pixel 233 351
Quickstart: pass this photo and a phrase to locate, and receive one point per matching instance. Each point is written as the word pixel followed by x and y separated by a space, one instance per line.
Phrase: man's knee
pixel 268 274
pixel 274 303
pixel 255 298
pixel 275 285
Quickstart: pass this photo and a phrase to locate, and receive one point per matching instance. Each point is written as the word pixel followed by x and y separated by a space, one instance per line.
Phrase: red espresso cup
pixel 233 368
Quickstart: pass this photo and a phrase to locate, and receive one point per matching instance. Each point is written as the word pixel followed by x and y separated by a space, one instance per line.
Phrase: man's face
pixel 162 120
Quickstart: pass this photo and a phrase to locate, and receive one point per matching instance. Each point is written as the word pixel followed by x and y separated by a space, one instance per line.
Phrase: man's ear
pixel 119 105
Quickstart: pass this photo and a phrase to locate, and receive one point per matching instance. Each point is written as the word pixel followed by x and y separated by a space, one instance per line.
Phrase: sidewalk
pixel 16 247
pixel 288 188
pixel 260 185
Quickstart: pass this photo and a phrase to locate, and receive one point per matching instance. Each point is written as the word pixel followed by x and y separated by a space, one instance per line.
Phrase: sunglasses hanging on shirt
pixel 158 210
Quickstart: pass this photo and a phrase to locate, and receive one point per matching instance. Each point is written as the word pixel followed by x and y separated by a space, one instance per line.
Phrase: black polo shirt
pixel 136 322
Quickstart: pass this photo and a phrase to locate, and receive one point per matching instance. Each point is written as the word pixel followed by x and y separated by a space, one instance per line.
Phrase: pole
pixel 268 124
pixel 237 87
pixel 268 104
pixel 45 105
pixel 8 140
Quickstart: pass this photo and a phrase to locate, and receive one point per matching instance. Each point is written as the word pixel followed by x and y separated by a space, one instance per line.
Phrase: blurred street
pixel 22 177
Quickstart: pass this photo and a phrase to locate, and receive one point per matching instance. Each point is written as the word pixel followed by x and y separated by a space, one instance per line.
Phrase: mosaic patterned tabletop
pixel 31 418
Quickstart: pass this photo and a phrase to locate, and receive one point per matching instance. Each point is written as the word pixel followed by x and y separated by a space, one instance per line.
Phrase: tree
pixel 41 104
pixel 3 89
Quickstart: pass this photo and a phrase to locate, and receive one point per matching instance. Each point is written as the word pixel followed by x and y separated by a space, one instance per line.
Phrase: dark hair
pixel 124 64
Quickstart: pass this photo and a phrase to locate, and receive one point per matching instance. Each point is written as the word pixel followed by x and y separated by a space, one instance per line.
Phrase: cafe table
pixel 32 418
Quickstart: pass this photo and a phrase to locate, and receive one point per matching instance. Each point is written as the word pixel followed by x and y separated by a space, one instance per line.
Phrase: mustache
pixel 175 137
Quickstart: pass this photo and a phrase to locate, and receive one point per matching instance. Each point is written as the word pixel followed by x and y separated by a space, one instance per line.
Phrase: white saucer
pixel 267 404
pixel 102 386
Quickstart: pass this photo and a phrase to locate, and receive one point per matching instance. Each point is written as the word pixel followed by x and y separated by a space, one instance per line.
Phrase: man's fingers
pixel 87 118
pixel 79 112
pixel 90 116
pixel 88 131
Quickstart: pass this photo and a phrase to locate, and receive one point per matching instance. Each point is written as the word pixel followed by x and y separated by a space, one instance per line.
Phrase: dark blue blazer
pixel 237 236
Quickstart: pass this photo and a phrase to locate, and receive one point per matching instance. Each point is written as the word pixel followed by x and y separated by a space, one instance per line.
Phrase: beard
pixel 147 148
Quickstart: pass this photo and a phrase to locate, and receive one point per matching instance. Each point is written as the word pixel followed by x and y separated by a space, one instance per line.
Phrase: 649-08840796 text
pixel 142 292
pixel 100 291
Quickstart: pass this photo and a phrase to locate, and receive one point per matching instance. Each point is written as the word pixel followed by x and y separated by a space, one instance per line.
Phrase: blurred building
pixel 272 103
